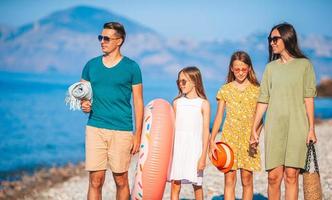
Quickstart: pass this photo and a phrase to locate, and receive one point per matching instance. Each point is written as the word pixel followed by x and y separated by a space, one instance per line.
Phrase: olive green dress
pixel 283 88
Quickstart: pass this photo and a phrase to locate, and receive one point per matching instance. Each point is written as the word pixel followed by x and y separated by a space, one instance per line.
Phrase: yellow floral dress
pixel 240 111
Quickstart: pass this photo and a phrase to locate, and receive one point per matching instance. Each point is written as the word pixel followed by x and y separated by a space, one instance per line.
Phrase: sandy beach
pixel 76 186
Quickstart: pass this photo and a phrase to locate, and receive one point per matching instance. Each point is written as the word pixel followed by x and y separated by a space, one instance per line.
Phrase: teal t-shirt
pixel 112 89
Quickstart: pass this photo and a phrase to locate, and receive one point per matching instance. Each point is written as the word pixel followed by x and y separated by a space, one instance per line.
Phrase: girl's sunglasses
pixel 182 82
pixel 274 39
pixel 243 70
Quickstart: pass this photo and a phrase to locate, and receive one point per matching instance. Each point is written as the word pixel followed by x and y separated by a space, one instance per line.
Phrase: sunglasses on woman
pixel 274 39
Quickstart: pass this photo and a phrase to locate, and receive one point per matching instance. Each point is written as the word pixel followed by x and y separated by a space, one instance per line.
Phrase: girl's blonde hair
pixel 245 58
pixel 195 76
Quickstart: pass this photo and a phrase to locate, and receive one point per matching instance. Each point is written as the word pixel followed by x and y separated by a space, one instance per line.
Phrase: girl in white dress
pixel 192 117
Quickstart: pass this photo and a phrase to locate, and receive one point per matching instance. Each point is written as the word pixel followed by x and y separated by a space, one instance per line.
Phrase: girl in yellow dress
pixel 238 97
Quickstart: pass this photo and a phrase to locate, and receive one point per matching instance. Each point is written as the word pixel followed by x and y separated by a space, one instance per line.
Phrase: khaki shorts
pixel 105 147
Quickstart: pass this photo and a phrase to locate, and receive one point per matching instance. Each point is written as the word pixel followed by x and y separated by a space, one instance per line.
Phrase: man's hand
pixel 136 143
pixel 86 106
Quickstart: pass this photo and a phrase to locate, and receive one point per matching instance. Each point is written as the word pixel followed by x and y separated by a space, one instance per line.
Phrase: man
pixel 109 138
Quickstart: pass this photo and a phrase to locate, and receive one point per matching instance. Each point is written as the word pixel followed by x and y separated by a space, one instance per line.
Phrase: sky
pixel 191 19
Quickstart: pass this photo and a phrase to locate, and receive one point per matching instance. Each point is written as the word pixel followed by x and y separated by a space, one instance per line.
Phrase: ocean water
pixel 38 130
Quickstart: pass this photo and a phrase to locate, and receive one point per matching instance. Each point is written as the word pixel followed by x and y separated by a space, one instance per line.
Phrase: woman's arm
pixel 257 125
pixel 309 106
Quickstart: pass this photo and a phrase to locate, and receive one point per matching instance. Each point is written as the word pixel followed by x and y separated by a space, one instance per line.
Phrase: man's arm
pixel 139 109
pixel 85 104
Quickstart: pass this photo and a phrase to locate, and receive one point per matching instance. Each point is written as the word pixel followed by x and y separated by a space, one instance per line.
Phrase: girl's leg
pixel 230 182
pixel 175 190
pixel 247 184
pixel 274 179
pixel 291 179
pixel 198 192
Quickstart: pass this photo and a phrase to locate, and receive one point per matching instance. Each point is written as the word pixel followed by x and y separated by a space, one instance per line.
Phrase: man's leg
pixel 119 156
pixel 96 181
pixel 122 185
pixel 95 161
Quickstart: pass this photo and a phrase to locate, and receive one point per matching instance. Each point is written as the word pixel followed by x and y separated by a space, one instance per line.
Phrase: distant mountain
pixel 5 30
pixel 62 42
pixel 65 40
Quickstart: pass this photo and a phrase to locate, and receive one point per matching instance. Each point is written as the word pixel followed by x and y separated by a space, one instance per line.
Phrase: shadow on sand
pixel 221 197
pixel 256 197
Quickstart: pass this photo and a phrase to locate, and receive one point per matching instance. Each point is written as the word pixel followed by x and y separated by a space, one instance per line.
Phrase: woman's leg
pixel 291 179
pixel 175 190
pixel 247 184
pixel 230 182
pixel 274 181
pixel 198 192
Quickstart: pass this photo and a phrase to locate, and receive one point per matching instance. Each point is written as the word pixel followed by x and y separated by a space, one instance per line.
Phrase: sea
pixel 37 129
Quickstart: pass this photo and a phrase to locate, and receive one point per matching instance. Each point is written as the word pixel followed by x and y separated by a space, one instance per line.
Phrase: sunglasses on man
pixel 106 38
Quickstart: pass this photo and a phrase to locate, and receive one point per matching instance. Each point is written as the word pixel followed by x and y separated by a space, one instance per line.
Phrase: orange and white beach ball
pixel 225 157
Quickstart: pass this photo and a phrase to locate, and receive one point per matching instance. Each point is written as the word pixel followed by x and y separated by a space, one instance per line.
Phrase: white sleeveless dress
pixel 187 141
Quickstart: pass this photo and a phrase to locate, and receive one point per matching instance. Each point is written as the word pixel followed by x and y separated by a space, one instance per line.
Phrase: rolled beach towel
pixel 76 92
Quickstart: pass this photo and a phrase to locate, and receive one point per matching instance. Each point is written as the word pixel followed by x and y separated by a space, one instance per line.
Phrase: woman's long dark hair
pixel 289 37
pixel 245 58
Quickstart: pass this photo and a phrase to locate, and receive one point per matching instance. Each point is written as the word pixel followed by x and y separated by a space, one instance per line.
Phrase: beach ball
pixel 225 157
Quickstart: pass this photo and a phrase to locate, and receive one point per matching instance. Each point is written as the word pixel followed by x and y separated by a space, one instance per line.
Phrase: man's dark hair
pixel 119 29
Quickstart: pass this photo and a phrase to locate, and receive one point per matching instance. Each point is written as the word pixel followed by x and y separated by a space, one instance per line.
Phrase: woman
pixel 287 94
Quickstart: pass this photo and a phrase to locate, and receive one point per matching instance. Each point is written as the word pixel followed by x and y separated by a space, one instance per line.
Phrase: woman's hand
pixel 254 140
pixel 311 136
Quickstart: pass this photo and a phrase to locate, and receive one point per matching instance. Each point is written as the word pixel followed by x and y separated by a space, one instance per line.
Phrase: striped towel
pixel 76 92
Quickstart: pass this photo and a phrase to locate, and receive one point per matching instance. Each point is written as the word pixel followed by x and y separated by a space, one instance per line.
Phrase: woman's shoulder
pixel 295 60
pixel 303 61
pixel 272 63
